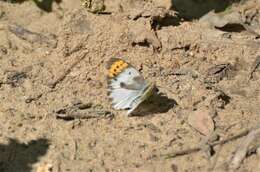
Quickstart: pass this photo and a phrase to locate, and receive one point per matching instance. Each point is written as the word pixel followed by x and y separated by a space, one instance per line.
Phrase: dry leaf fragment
pixel 217 73
pixel 202 121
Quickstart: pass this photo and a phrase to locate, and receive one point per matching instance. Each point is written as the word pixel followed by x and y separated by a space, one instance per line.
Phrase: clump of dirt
pixel 54 111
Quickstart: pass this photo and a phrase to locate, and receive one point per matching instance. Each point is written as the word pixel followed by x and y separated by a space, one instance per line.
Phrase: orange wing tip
pixel 116 68
pixel 111 75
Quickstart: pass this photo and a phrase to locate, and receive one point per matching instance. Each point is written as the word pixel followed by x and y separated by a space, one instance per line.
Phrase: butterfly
pixel 127 88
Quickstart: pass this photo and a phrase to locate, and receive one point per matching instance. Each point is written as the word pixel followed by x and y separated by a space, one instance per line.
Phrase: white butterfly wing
pixel 125 88
pixel 145 93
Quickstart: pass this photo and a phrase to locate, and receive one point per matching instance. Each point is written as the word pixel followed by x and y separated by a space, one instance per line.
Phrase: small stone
pixel 167 4
pixel 201 121
pixel 45 168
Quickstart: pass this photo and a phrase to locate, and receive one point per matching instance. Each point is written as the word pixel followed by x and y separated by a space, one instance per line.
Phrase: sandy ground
pixel 54 111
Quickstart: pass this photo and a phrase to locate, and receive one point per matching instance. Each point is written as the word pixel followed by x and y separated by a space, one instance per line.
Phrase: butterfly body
pixel 126 86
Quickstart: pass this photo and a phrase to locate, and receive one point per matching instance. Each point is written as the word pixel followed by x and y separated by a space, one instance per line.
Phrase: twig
pixel 74 156
pixel 38 96
pixel 33 37
pixel 255 65
pixel 35 98
pixel 213 164
pixel 182 152
pixel 243 148
pixel 242 134
pixel 82 111
pixel 196 149
pixel 84 115
pixel 67 71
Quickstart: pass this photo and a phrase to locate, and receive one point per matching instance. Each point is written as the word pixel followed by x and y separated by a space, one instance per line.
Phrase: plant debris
pixel 83 111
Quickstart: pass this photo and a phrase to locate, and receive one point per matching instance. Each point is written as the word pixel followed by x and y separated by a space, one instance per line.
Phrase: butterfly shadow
pixel 157 103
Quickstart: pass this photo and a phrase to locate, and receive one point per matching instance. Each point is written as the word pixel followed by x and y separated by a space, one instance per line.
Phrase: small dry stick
pixel 182 152
pixel 74 156
pixel 255 65
pixel 196 149
pixel 66 72
pixel 243 148
pixel 85 115
pixel 213 165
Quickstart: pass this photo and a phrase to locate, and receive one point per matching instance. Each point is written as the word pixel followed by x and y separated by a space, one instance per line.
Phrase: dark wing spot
pixel 109 87
pixel 129 73
pixel 122 85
